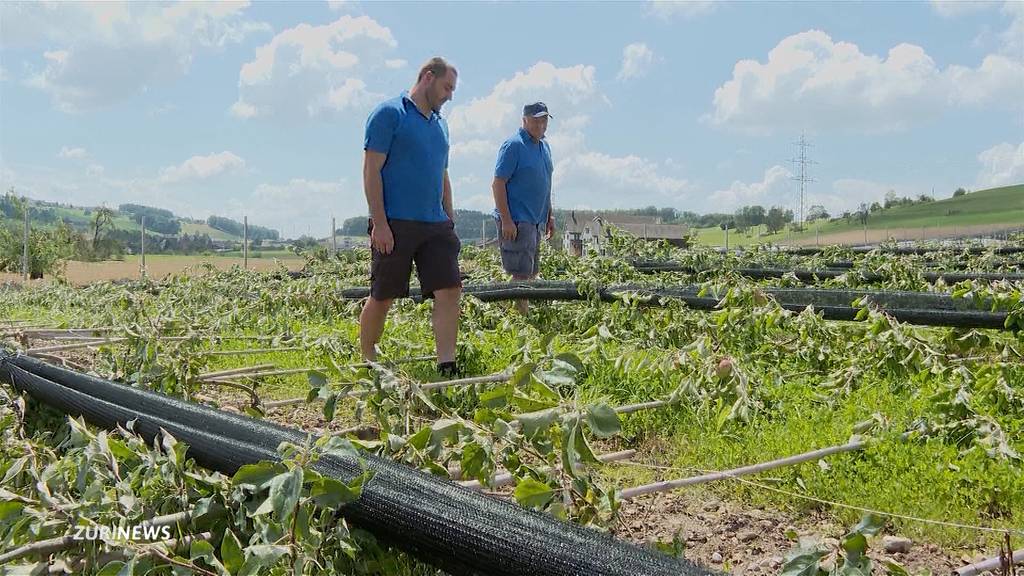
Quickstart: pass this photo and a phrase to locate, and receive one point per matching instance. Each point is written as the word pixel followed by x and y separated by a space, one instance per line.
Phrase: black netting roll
pixel 921 308
pixel 461 531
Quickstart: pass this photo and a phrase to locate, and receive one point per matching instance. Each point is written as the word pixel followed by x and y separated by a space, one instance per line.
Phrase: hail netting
pixel 458 530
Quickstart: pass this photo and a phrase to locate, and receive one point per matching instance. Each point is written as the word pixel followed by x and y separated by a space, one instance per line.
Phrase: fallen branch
pixel 64 347
pixel 62 361
pixel 234 371
pixel 988 565
pixel 505 478
pixel 251 351
pixel 499 377
pixel 668 485
pixel 52 545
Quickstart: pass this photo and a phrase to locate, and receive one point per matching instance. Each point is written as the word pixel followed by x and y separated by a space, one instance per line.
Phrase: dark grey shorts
pixel 521 257
pixel 433 246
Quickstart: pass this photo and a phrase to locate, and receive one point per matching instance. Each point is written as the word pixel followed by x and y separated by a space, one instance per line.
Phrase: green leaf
pixel 894 568
pixel 16 467
pixel 316 379
pixel 571 359
pixel 527 404
pixel 329 404
pixel 200 549
pixel 496 398
pixel 284 493
pixel 419 439
pixel 533 494
pixel 869 525
pixel 10 510
pixel 534 423
pixel 803 562
pixel 338 446
pixel 257 476
pixel 261 556
pixel 331 493
pixel 603 420
pixel 111 568
pixel 522 374
pixel 445 429
pixel 231 552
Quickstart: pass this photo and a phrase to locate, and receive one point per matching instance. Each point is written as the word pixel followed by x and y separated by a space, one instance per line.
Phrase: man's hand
pixel 509 231
pixel 551 227
pixel 381 238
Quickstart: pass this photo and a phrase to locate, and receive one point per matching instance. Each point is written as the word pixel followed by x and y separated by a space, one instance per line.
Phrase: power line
pixel 801 162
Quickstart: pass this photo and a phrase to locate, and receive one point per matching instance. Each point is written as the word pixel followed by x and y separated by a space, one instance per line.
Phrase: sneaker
pixel 448 369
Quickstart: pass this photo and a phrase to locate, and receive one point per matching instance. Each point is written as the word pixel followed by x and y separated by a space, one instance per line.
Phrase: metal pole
pixel 245 242
pixel 142 251
pixel 334 236
pixel 726 237
pixel 817 225
pixel 483 232
pixel 24 255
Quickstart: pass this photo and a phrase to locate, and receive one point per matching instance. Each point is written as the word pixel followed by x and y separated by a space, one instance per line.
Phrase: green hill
pixel 49 215
pixel 995 207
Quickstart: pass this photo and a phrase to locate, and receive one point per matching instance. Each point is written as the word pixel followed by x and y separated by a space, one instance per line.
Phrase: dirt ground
pixel 157 267
pixel 857 237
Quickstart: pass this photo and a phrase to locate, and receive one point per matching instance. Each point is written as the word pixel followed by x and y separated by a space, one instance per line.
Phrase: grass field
pixel 972 214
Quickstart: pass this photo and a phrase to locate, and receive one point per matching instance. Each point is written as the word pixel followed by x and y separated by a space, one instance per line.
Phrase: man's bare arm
pixel 508 227
pixel 446 197
pixel 373 185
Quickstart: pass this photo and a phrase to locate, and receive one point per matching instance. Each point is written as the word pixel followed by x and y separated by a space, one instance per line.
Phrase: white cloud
pixel 772 190
pixel 686 9
pixel 3 74
pixel 101 52
pixel 242 110
pixel 94 170
pixel 636 60
pixel 598 179
pixel 478 148
pixel 336 5
pixel 500 111
pixel 72 153
pixel 395 63
pixel 809 79
pixel 313 69
pixel 302 206
pixel 581 176
pixel 201 167
pixel 351 94
pixel 1002 165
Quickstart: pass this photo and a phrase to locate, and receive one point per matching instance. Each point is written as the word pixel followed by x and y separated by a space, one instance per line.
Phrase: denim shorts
pixel 521 257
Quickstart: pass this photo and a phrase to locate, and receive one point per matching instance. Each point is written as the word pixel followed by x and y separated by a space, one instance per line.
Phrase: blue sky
pixel 258 109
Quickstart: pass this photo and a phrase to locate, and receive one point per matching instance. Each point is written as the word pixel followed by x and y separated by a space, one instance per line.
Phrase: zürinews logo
pixel 136 532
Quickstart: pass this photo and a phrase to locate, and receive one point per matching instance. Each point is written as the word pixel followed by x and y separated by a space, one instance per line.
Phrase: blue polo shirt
pixel 417 150
pixel 525 166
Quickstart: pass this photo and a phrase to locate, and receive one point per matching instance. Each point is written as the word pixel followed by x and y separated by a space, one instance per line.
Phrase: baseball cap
pixel 537 109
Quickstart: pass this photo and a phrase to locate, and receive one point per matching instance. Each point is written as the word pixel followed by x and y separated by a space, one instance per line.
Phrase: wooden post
pixel 142 250
pixel 245 242
pixel 24 255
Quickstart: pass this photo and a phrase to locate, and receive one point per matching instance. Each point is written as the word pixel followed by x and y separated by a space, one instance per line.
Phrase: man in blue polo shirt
pixel 405 177
pixel 522 196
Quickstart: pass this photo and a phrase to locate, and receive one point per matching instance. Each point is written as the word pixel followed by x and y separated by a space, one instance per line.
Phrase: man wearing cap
pixel 405 177
pixel 522 196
